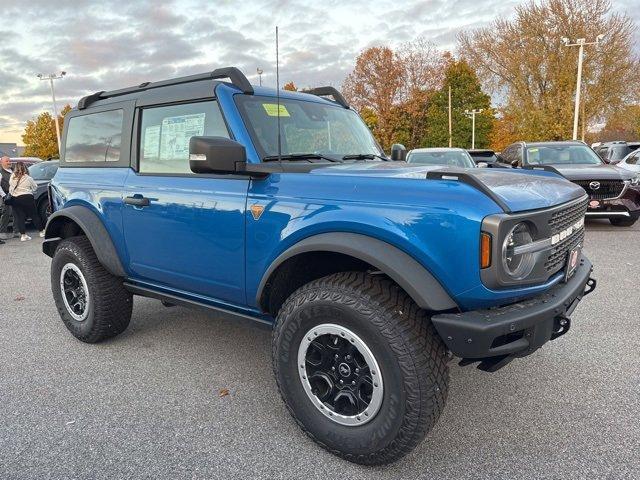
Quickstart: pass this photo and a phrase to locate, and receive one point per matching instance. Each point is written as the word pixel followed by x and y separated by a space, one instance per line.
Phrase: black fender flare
pixel 412 277
pixel 92 227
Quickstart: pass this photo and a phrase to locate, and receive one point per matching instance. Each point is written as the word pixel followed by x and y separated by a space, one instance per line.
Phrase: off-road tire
pixel 623 222
pixel 110 303
pixel 409 352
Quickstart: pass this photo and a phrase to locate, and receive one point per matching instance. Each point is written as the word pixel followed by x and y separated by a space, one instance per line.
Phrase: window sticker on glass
pixel 272 110
pixel 151 141
pixel 176 132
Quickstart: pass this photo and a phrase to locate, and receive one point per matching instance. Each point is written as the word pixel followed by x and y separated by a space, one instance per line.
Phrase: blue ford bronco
pixel 280 208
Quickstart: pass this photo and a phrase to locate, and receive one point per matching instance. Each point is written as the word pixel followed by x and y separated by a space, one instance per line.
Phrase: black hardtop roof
pixel 194 86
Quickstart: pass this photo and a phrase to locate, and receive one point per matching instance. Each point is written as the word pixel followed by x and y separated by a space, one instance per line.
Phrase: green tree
pixel 39 135
pixel 466 94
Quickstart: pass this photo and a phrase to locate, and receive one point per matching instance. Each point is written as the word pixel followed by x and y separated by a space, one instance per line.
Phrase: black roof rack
pixel 328 92
pixel 237 78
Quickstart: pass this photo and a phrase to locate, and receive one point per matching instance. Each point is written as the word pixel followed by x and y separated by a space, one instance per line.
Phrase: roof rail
pixel 328 92
pixel 237 78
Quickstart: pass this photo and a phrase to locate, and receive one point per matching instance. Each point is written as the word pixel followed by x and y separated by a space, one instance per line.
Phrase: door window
pixel 166 131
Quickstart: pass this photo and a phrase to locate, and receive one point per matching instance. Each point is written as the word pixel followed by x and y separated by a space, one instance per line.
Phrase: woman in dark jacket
pixel 22 187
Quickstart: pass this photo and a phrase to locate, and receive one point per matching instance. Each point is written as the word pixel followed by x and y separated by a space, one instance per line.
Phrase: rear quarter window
pixel 94 137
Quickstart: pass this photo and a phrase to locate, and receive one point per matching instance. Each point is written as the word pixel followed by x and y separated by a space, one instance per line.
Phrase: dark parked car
pixel 28 161
pixel 614 152
pixel 614 193
pixel 42 173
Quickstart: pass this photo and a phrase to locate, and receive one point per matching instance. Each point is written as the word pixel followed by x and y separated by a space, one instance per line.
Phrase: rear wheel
pixel 43 210
pixel 623 221
pixel 93 304
pixel 360 367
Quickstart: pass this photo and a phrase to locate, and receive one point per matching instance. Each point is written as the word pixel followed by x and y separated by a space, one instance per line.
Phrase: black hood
pixel 593 172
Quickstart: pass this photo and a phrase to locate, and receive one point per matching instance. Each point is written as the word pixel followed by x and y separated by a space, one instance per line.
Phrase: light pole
pixel 260 72
pixel 51 78
pixel 580 42
pixel 472 114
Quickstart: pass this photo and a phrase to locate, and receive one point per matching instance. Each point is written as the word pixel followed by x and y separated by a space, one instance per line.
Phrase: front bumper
pixel 627 205
pixel 496 336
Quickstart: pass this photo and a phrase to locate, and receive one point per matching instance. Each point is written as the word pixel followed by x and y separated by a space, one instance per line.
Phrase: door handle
pixel 137 201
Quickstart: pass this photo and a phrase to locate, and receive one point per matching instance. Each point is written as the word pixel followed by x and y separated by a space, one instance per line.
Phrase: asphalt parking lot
pixel 147 404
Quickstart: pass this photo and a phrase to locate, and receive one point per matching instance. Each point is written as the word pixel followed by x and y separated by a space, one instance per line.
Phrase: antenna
pixel 278 100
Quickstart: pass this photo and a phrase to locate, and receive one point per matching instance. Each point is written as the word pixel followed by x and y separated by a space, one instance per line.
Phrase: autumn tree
pixel 290 86
pixel 524 60
pixel 623 125
pixel 466 94
pixel 392 87
pixel 39 135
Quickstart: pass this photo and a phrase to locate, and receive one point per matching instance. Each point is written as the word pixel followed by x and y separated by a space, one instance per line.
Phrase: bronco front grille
pixel 558 255
pixel 569 216
pixel 602 189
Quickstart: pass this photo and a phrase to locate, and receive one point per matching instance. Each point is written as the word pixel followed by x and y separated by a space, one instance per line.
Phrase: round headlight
pixel 517 264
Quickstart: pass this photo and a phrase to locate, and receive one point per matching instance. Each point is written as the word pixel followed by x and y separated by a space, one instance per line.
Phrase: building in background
pixel 10 150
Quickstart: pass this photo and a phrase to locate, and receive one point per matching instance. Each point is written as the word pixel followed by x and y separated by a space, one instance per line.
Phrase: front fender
pixel 414 279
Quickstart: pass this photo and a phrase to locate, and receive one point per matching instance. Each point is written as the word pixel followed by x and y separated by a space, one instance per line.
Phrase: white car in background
pixel 631 162
pixel 446 157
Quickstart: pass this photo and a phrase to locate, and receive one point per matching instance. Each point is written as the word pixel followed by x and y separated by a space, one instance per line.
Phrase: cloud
pixel 117 43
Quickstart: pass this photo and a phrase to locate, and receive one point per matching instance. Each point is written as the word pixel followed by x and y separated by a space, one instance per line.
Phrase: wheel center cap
pixel 344 369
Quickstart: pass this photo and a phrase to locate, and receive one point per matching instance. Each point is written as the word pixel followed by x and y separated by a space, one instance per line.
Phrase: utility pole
pixel 472 114
pixel 51 78
pixel 580 42
pixel 450 135
pixel 260 72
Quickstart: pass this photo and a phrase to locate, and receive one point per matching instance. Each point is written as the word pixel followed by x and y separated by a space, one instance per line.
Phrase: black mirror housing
pixel 216 155
pixel 398 152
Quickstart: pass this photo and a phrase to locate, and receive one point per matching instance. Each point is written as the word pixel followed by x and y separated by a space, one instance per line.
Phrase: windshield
pixel 449 159
pixel 306 127
pixel 562 155
pixel 43 170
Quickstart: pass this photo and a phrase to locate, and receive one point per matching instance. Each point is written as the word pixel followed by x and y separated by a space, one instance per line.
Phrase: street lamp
pixel 51 78
pixel 472 114
pixel 580 42
pixel 260 72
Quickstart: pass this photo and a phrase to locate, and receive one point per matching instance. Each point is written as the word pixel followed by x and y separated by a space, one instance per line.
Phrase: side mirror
pixel 514 163
pixel 482 165
pixel 216 155
pixel 398 152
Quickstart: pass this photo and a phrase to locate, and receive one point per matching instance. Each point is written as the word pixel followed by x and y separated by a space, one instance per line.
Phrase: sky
pixel 117 43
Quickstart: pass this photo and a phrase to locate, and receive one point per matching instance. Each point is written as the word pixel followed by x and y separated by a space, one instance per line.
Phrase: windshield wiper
pixel 365 156
pixel 299 156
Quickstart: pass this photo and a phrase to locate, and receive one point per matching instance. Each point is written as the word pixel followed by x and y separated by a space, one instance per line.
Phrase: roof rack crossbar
pixel 328 92
pixel 237 78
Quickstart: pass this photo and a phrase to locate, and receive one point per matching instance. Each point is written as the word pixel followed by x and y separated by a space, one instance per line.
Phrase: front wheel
pixel 623 222
pixel 93 304
pixel 360 367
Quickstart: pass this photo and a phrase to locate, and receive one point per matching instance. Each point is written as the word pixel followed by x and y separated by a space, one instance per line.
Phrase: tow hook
pixel 590 287
pixel 561 325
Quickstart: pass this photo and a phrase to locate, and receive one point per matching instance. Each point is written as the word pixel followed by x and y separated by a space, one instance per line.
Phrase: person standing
pixel 5 215
pixel 22 187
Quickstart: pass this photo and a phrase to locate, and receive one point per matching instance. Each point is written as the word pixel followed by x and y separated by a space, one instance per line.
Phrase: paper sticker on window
pixel 151 141
pixel 176 132
pixel 272 110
